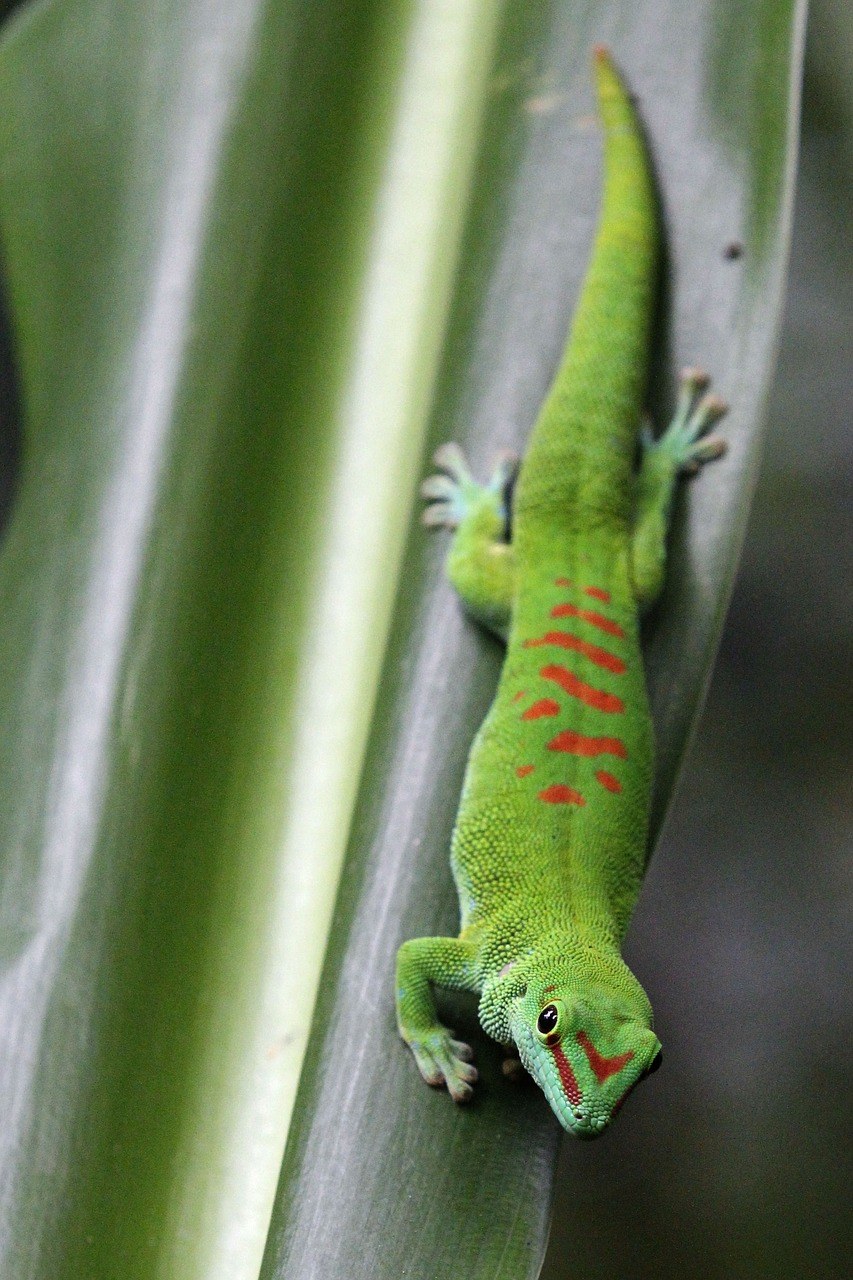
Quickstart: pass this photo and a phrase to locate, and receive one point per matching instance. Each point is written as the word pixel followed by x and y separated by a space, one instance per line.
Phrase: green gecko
pixel 550 843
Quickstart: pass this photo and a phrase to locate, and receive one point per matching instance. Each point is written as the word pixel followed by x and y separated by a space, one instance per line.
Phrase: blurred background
pixel 742 934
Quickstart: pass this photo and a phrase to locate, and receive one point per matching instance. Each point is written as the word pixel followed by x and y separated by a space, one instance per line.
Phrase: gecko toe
pixel 439 515
pixel 460 1091
pixel 450 458
pixel 442 1060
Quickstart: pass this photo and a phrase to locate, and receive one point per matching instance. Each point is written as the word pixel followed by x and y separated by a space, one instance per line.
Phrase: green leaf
pixel 232 235
pixel 383 1177
pixel 229 262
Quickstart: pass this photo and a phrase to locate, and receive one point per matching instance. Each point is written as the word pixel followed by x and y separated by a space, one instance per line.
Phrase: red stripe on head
pixel 597 594
pixel 544 707
pixel 584 692
pixel 523 770
pixel 567 1076
pixel 590 616
pixel 516 697
pixel 603 1068
pixel 578 744
pixel 565 640
pixel 561 794
pixel 563 582
pixel 607 780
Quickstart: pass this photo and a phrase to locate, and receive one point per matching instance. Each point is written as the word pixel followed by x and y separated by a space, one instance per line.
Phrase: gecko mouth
pixel 582 1112
pixel 550 1067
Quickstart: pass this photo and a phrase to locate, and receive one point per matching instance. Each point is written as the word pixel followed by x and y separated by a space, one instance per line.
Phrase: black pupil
pixel 547 1019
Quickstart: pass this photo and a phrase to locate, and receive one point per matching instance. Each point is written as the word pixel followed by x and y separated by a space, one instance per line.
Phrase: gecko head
pixel 586 1045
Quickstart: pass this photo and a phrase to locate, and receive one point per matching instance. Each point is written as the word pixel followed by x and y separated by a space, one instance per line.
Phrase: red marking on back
pixel 567 1076
pixel 597 594
pixel 588 615
pixel 603 1068
pixel 564 640
pixel 583 692
pixel 607 780
pixel 524 769
pixel 544 707
pixel 560 794
pixel 518 696
pixel 579 745
pixel 563 582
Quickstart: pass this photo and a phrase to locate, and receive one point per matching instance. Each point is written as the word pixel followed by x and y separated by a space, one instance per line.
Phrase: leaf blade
pixel 418 1187
pixel 187 217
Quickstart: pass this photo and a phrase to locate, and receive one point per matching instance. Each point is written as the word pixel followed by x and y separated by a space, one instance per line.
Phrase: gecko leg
pixel 480 561
pixel 446 962
pixel 680 451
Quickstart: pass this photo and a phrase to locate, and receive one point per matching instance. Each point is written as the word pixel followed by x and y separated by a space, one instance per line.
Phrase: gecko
pixel 560 558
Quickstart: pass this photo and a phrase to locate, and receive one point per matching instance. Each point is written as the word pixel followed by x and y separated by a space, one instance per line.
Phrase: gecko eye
pixel 548 1019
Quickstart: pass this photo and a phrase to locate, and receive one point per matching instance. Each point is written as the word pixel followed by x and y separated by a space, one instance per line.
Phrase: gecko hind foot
pixel 443 1060
pixel 686 439
pixel 453 493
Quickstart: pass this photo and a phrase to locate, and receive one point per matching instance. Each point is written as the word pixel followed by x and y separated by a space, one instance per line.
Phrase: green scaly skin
pixel 549 848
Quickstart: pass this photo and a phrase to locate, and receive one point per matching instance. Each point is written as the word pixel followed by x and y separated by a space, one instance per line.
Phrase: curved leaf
pixel 195 585
pixel 230 229
pixel 383 1177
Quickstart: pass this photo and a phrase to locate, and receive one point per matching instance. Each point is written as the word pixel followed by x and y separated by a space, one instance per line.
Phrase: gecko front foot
pixel 686 440
pixel 442 1060
pixel 454 492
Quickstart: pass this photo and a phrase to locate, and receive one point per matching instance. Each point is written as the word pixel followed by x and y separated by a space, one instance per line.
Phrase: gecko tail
pixel 581 453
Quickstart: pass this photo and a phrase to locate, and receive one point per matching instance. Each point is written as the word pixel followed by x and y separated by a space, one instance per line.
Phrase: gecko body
pixel 550 843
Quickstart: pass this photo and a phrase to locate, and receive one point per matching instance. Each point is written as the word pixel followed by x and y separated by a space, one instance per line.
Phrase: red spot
pixel 547 991
pixel 597 594
pixel 560 794
pixel 518 696
pixel 607 780
pixel 603 1068
pixel 579 745
pixel 588 615
pixel 564 640
pixel 524 769
pixel 563 582
pixel 545 707
pixel 567 1076
pixel 583 692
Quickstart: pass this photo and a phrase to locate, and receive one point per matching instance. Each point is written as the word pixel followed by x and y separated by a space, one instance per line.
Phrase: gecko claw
pixel 686 440
pixel 442 1060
